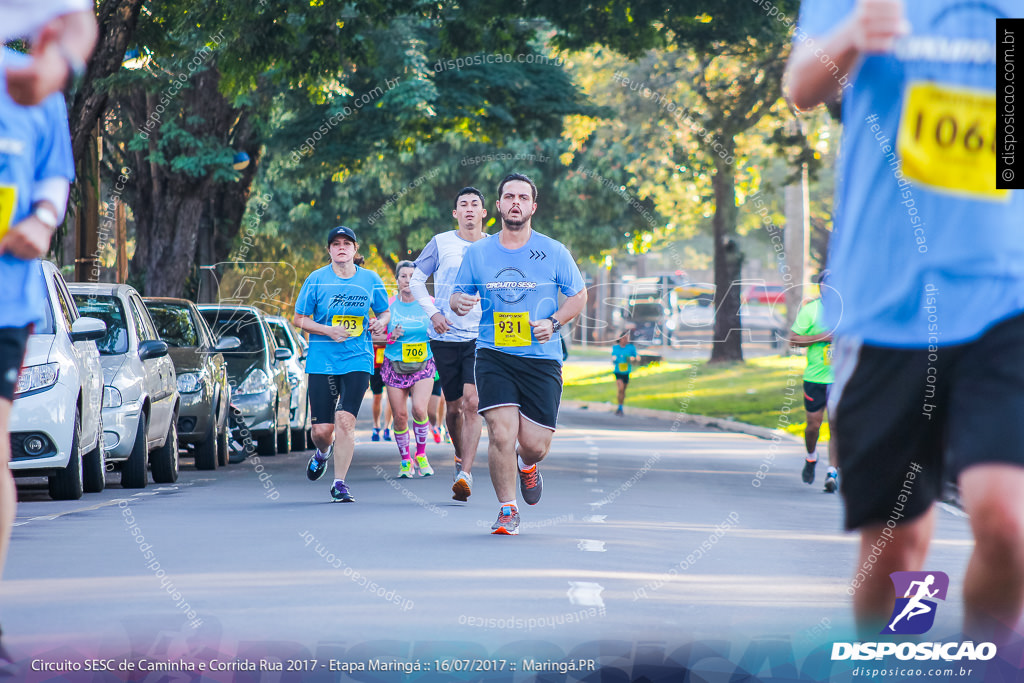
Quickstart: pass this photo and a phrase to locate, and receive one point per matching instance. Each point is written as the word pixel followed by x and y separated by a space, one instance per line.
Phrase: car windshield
pixel 108 309
pixel 647 311
pixel 241 324
pixel 174 324
pixel 281 335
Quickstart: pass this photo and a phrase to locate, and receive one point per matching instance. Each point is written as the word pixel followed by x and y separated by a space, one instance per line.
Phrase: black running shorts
pixel 906 420
pixel 815 396
pixel 376 382
pixel 329 394
pixel 534 385
pixel 13 341
pixel 622 376
pixel 454 361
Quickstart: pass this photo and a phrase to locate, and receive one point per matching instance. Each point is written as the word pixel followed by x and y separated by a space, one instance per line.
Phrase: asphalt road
pixel 646 540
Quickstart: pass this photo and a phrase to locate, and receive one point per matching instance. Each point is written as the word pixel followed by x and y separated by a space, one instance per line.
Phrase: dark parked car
pixel 202 379
pixel 257 373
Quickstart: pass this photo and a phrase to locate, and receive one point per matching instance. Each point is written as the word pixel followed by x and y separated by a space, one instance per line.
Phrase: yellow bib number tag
pixel 414 352
pixel 826 354
pixel 947 139
pixel 512 329
pixel 623 368
pixel 352 323
pixel 8 200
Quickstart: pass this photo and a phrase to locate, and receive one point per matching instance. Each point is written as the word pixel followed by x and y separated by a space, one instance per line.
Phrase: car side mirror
pixel 152 349
pixel 227 344
pixel 88 329
pixel 282 354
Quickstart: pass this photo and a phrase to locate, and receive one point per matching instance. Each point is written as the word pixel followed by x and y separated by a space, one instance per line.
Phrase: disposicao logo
pixel 914 612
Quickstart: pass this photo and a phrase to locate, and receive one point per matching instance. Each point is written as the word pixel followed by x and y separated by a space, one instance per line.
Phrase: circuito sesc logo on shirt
pixel 510 285
pixel 916 595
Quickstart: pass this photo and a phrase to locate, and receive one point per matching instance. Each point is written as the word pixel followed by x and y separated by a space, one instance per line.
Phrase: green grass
pixel 751 392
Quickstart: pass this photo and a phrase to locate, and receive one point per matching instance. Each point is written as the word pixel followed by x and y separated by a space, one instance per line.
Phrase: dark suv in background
pixel 202 376
pixel 257 373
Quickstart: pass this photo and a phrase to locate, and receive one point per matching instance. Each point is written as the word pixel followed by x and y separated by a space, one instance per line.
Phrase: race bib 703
pixel 352 323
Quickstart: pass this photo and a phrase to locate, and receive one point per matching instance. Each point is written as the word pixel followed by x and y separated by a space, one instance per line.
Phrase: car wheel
pixel 66 483
pixel 94 475
pixel 267 445
pixel 165 458
pixel 299 439
pixel 284 440
pixel 240 443
pixel 206 452
pixel 224 442
pixel 133 471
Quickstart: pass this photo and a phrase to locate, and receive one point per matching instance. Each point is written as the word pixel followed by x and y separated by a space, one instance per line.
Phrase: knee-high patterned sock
pixel 421 430
pixel 402 441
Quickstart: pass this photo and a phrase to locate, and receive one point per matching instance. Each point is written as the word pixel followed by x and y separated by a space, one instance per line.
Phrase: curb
pixel 718 423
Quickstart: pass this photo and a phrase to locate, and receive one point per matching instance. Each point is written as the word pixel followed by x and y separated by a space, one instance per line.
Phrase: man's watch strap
pixel 46 216
pixel 555 325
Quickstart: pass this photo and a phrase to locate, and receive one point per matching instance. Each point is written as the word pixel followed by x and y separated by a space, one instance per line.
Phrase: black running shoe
pixel 340 493
pixel 318 463
pixel 808 473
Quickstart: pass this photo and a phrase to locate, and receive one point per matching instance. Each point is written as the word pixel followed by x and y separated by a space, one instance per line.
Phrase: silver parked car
pixel 56 421
pixel 257 374
pixel 140 394
pixel 289 338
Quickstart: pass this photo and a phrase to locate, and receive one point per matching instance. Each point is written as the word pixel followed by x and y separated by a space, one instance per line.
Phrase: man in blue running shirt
pixel 926 295
pixel 516 276
pixel 35 174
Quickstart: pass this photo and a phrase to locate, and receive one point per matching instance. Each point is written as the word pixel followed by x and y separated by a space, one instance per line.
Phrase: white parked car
pixel 56 420
pixel 140 393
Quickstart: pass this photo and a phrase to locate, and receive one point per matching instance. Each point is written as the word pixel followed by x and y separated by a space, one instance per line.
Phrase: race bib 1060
pixel 8 200
pixel 947 139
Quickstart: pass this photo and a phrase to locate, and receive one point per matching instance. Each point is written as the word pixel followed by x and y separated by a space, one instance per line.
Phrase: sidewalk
pixel 677 418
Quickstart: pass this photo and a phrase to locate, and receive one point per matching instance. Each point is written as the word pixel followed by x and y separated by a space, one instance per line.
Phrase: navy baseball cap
pixel 341 231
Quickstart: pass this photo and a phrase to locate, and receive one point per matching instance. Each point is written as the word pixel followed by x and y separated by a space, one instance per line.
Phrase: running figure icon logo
pixel 914 612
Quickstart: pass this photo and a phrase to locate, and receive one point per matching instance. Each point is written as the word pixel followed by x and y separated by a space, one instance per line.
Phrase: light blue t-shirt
pixel 331 300
pixel 35 144
pixel 414 344
pixel 621 358
pixel 515 287
pixel 914 263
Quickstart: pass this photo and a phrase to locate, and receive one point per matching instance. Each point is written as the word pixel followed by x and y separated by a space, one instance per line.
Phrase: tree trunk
pixel 117 21
pixel 728 340
pixel 164 259
pixel 173 208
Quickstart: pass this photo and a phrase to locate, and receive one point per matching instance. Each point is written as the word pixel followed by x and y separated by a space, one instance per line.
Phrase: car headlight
pixel 190 382
pixel 36 377
pixel 111 397
pixel 256 383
